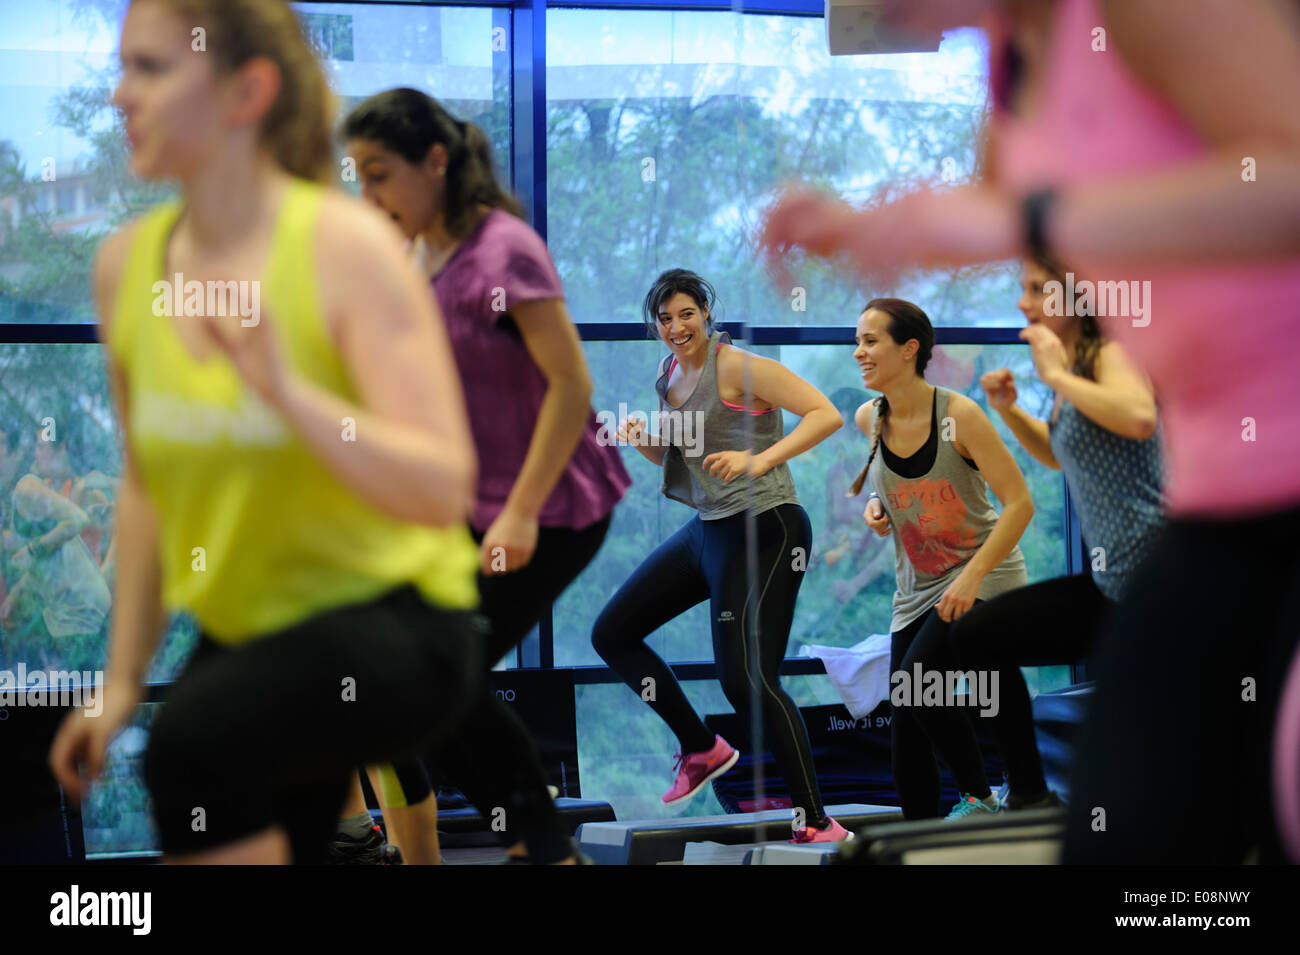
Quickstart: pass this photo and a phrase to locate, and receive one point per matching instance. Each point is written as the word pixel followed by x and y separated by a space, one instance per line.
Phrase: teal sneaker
pixel 970 806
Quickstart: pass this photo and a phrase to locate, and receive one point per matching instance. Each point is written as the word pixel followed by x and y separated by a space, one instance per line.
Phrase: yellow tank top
pixel 256 534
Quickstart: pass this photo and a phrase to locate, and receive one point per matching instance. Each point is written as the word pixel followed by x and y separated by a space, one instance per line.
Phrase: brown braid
pixel 882 412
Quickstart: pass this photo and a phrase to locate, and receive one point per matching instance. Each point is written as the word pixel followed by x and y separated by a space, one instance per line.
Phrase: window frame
pixel 527 169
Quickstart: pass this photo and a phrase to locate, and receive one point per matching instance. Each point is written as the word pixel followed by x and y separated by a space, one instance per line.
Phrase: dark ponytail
pixel 409 123
pixel 906 322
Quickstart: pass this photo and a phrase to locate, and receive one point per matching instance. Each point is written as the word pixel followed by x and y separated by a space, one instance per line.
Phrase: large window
pixel 662 135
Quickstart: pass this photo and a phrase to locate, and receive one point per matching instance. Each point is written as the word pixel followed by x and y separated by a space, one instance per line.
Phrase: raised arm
pixel 1032 433
pixel 776 386
pixel 1121 400
pixel 1243 107
pixel 1200 210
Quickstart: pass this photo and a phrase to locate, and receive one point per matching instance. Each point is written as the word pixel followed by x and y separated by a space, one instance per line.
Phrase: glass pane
pixel 667 132
pixel 64 182
pixel 117 813
pixel 60 458
pixel 458 55
pixel 625 752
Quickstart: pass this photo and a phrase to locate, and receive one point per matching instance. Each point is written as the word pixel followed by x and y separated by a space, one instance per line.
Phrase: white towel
pixel 860 673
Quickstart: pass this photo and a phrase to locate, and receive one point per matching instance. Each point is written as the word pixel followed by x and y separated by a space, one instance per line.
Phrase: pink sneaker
pixel 696 769
pixel 832 833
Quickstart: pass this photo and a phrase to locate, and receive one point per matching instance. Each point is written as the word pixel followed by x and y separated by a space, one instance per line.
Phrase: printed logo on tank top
pixel 182 421
pixel 932 524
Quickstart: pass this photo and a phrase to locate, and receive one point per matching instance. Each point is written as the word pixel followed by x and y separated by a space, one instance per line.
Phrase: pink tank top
pixel 1221 342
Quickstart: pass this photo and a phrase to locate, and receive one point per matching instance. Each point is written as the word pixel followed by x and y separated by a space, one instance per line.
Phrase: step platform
pixel 1028 837
pixel 767 853
pixel 465 828
pixel 657 841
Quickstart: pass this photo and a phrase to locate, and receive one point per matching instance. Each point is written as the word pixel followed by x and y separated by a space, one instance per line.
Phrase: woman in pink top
pixel 1157 147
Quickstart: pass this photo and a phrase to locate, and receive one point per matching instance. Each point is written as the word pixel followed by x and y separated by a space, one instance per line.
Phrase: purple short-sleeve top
pixel 501 263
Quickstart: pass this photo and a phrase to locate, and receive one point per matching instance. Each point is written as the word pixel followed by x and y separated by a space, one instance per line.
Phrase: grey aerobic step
pixel 654 841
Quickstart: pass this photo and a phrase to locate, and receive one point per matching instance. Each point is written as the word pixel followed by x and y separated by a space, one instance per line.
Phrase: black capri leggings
pixel 1048 623
pixel 1173 765
pixel 492 757
pixel 270 732
pixel 706 560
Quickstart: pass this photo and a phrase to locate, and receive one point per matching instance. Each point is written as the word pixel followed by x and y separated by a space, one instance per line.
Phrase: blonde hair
pixel 297 129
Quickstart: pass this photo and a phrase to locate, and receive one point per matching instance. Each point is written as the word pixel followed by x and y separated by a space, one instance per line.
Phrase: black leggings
pixel 269 732
pixel 911 756
pixel 707 560
pixel 1049 623
pixel 492 758
pixel 1174 759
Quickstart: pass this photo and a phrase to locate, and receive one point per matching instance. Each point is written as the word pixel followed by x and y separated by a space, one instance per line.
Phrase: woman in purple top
pixel 546 487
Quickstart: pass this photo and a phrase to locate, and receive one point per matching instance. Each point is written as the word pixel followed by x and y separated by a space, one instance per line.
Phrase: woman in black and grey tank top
pixel 1103 435
pixel 723 449
pixel 934 455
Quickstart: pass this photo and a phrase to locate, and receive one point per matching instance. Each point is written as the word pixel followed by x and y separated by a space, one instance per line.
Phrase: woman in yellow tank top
pixel 299 468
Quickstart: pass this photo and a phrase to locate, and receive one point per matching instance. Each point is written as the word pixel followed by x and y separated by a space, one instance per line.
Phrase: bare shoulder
pixel 962 408
pixel 862 417
pixel 729 356
pixel 350 233
pixel 110 260
pixel 733 360
pixel 364 272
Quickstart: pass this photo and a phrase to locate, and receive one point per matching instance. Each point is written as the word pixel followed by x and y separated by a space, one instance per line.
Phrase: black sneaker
pixel 578 857
pixel 1050 801
pixel 369 850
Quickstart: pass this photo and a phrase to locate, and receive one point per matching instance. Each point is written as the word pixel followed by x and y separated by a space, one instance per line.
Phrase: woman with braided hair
pixel 934 457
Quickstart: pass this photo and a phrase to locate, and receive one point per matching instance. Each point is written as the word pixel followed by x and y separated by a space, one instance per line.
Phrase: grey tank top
pixel 703 425
pixel 939 521
pixel 1115 486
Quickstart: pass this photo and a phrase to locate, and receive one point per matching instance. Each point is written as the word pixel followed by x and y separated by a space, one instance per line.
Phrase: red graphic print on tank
pixel 933 524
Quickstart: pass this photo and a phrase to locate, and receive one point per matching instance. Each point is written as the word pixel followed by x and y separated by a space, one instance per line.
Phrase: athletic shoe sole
pixel 724 768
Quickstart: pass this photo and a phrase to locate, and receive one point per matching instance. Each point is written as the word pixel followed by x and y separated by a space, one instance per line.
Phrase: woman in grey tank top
pixel 723 448
pixel 934 455
pixel 1103 435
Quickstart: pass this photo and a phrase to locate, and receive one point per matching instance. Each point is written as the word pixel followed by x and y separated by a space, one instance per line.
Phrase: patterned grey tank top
pixel 940 520
pixel 1115 487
